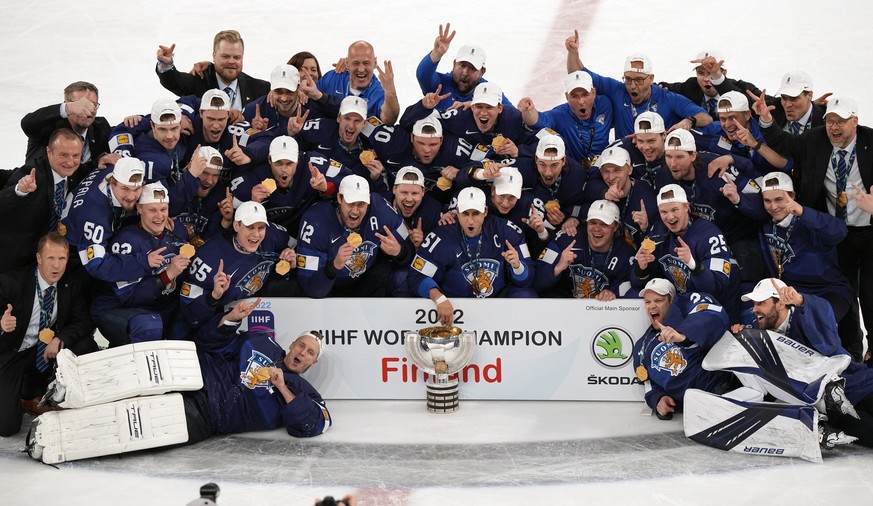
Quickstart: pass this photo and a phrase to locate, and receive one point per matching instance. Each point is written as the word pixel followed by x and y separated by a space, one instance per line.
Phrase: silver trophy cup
pixel 441 352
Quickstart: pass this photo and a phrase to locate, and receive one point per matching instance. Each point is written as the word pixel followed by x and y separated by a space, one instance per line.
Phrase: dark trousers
pixel 20 379
pixel 856 262
pixel 861 429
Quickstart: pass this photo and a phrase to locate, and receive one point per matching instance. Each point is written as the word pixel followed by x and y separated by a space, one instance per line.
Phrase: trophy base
pixel 443 397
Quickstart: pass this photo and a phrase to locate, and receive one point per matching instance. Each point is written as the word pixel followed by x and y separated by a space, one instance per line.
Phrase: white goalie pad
pixel 108 429
pixel 752 428
pixel 150 368
pixel 776 364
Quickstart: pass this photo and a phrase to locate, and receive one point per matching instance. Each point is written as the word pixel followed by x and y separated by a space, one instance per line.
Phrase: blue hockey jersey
pixel 591 273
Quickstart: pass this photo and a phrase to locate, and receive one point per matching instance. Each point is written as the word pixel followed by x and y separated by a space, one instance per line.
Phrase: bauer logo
pixel 612 347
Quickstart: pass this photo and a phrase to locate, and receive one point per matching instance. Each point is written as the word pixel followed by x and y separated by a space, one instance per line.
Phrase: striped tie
pixel 842 173
pixel 711 108
pixel 794 128
pixel 47 306
pixel 58 207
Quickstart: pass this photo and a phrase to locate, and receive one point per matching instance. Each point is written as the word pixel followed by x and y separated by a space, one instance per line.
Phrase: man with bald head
pixel 354 76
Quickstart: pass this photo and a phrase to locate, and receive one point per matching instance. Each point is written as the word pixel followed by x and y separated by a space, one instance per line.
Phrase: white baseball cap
pixel 843 107
pixel 286 77
pixel 603 210
pixel 154 193
pixel 686 141
pixel 409 175
pixel 764 290
pixel 472 54
pixel 641 58
pixel 354 188
pixel 733 101
pixel 551 141
pixel 163 107
pixel 776 181
pixel 660 286
pixel 319 338
pixel 672 193
pixel 128 171
pixel 431 121
pixel 353 104
pixel 250 213
pixel 215 100
pixel 508 182
pixel 614 155
pixel 794 83
pixel 284 148
pixel 487 93
pixel 211 154
pixel 471 198
pixel 649 123
pixel 578 79
pixel 706 54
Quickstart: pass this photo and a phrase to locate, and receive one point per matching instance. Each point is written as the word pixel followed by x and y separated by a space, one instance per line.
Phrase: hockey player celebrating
pixel 668 356
pixel 479 256
pixel 347 248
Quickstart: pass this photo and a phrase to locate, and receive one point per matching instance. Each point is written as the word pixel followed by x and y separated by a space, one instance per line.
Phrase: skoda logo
pixel 612 347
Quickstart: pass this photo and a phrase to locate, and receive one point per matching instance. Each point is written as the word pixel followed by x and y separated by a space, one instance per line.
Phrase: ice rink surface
pixel 395 453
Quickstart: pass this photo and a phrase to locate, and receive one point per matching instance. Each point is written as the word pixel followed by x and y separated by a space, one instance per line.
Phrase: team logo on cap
pixel 250 377
pixel 669 357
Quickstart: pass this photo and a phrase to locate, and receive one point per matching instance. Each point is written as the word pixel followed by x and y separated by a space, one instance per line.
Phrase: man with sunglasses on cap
pixel 478 256
pixel 691 253
pixel 584 121
pixel 139 309
pixel 637 93
pixel 668 357
pixel 594 265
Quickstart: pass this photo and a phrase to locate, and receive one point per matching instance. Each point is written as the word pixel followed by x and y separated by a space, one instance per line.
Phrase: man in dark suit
pixel 78 113
pixel 795 111
pixel 710 82
pixel 33 199
pixel 225 73
pixel 834 157
pixel 44 311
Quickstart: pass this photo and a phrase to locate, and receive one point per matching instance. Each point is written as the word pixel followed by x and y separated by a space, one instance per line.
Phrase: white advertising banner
pixel 528 349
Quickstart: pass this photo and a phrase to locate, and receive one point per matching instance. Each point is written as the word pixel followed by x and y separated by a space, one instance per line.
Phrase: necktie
pixel 230 93
pixel 46 307
pixel 842 173
pixel 58 201
pixel 794 128
pixel 85 151
pixel 711 108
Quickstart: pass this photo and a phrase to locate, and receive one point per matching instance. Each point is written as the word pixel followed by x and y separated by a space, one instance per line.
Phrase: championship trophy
pixel 441 352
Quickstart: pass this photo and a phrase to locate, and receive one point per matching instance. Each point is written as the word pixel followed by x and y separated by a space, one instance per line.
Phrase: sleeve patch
pixel 424 267
pixel 307 263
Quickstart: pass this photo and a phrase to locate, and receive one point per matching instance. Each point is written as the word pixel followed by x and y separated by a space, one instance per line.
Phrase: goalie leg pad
pixel 150 368
pixel 108 429
pixel 754 428
pixel 788 370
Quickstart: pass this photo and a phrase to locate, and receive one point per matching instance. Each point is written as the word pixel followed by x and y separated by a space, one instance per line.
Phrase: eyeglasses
pixel 840 122
pixel 635 80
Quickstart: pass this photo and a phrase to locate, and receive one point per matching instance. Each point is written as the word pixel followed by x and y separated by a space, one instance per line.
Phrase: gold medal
pixel 355 239
pixel 648 245
pixel 270 184
pixel 187 251
pixel 62 229
pixel 283 267
pixel 642 373
pixel 444 183
pixel 262 374
pixel 842 199
pixel 46 335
